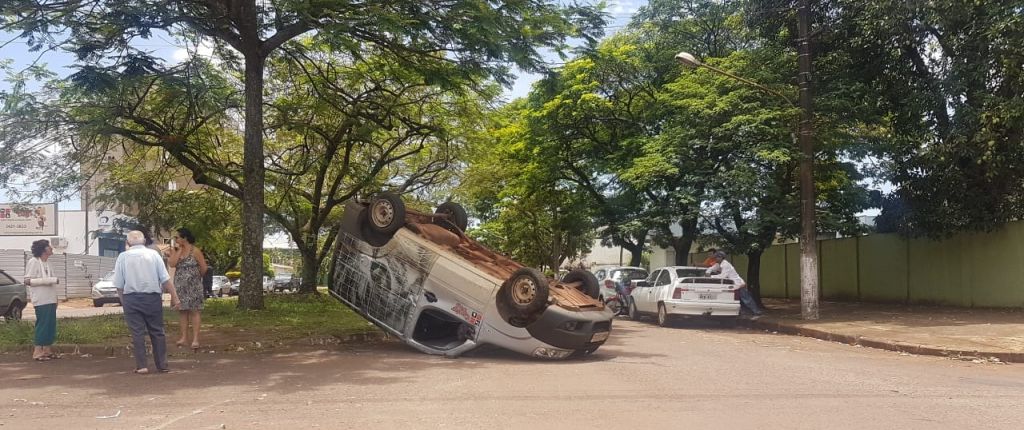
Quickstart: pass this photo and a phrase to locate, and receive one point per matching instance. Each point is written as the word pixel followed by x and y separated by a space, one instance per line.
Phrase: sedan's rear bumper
pixel 679 307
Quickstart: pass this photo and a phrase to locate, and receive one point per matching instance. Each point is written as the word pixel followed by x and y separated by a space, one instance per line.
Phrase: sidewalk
pixel 78 308
pixel 925 330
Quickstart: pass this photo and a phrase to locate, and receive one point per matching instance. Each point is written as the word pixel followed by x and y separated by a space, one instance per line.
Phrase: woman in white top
pixel 43 284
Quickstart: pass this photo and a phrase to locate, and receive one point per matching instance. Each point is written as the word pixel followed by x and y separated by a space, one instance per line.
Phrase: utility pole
pixel 808 229
pixel 85 207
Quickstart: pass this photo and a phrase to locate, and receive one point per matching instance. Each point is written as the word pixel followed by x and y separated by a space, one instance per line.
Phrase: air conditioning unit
pixel 58 242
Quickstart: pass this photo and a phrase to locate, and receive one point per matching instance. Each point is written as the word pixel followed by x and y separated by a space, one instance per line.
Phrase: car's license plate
pixel 600 336
pixel 707 296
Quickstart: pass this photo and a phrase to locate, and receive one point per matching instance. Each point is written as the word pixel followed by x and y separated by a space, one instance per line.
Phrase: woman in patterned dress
pixel 189 267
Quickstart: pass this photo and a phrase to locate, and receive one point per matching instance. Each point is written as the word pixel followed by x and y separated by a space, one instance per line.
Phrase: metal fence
pixel 967 269
pixel 77 272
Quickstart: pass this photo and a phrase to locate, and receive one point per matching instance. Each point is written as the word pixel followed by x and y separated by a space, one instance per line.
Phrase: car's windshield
pixel 689 273
pixel 108 277
pixel 629 274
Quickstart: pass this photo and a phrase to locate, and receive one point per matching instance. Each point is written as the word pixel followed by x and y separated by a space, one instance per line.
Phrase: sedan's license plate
pixel 707 296
pixel 600 336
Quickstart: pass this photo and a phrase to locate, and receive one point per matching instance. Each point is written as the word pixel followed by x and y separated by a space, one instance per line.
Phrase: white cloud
pixel 205 49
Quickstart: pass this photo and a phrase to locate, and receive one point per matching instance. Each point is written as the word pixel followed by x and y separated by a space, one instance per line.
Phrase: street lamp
pixel 808 231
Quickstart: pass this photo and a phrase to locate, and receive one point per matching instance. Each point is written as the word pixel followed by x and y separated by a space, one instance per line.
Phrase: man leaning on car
pixel 724 269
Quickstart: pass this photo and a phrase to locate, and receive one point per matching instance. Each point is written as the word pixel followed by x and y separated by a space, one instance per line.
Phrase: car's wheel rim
pixel 524 291
pixel 382 213
pixel 16 313
pixel 661 315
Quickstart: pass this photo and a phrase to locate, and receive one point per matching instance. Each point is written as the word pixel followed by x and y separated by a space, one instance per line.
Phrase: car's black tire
pixel 634 314
pixel 385 214
pixel 524 294
pixel 663 319
pixel 588 282
pixel 97 304
pixel 456 214
pixel 15 311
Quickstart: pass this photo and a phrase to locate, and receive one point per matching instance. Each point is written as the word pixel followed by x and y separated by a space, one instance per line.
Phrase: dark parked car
pixel 13 297
pixel 286 281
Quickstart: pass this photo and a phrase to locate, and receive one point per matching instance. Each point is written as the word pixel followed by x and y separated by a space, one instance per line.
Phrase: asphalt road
pixel 645 378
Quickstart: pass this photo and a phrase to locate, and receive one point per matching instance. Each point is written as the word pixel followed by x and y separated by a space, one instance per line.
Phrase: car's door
pixel 639 294
pixel 667 287
pixel 7 292
pixel 663 282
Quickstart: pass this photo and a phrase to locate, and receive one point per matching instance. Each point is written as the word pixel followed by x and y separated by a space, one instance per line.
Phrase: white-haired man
pixel 141 279
pixel 724 269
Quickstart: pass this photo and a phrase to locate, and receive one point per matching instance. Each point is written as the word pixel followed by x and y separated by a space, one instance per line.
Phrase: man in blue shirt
pixel 141 279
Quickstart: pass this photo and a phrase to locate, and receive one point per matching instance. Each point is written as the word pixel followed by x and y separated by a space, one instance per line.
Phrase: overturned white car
pixel 420 278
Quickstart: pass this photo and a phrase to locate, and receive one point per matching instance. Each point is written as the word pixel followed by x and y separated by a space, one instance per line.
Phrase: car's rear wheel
pixel 588 282
pixel 386 213
pixel 634 314
pixel 524 294
pixel 663 319
pixel 457 215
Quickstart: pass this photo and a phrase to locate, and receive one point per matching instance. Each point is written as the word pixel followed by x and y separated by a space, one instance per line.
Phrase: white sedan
pixel 683 290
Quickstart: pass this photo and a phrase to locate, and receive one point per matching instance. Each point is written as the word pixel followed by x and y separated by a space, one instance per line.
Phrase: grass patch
pixel 92 330
pixel 285 317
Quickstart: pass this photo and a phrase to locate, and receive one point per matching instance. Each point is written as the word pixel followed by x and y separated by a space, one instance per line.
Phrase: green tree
pixel 752 192
pixel 527 210
pixel 208 213
pixel 938 85
pixel 425 36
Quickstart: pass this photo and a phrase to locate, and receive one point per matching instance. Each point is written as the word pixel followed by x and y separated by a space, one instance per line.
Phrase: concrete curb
pixel 125 350
pixel 888 345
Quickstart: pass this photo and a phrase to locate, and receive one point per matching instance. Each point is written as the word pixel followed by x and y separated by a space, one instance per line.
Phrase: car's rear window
pixel 689 273
pixel 630 274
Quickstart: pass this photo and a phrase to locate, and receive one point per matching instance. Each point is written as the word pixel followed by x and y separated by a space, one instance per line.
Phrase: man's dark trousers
pixel 144 314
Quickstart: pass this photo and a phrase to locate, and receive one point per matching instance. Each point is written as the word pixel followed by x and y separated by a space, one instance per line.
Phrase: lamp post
pixel 808 231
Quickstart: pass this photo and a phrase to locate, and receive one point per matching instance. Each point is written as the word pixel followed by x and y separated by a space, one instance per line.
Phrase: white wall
pixel 603 255
pixel 70 226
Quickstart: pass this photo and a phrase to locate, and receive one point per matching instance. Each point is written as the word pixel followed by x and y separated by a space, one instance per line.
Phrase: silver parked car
pixel 221 286
pixel 420 278
pixel 103 291
pixel 13 297
pixel 611 278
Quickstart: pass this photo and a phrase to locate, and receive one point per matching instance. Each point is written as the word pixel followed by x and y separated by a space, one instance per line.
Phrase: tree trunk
pixel 754 275
pixel 250 295
pixel 636 251
pixel 682 244
pixel 682 247
pixel 310 268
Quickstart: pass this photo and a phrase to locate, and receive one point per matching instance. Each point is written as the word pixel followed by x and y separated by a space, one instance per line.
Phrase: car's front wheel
pixel 14 312
pixel 97 304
